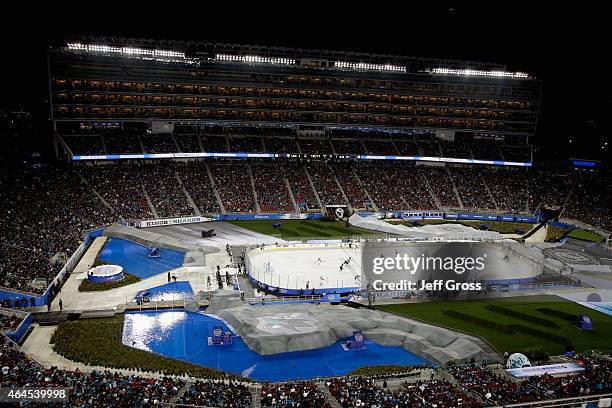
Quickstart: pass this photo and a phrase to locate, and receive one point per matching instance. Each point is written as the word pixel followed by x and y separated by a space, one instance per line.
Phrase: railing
pixel 564 402
pixel 310 298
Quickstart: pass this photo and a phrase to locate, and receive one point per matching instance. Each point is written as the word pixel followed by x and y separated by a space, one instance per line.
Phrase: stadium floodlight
pixel 132 52
pixel 477 72
pixel 362 66
pixel 255 59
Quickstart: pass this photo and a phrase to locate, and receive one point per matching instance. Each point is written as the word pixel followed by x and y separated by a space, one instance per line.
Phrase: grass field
pixel 585 235
pixel 518 341
pixel 296 229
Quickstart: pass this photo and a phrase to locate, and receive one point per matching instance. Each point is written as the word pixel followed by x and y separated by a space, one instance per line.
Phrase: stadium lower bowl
pixel 105 273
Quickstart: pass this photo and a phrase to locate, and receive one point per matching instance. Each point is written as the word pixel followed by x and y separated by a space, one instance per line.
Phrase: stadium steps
pixel 252 180
pixel 212 183
pixel 176 145
pixel 350 207
pixel 104 149
pixel 187 195
pixel 314 190
pixel 333 148
pixel 149 202
pixel 329 398
pixel 200 145
pixel 363 146
pixel 256 396
pixel 178 395
pixel 450 176
pixel 397 151
pixel 431 192
pixel 291 196
pixel 104 202
pixel 245 286
pixel 142 148
pixel 486 186
pixel 374 206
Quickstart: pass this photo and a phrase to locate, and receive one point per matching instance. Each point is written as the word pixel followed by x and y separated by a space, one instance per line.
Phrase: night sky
pixel 564 46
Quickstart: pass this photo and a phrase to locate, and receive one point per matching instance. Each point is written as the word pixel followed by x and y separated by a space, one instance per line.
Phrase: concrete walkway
pixel 73 299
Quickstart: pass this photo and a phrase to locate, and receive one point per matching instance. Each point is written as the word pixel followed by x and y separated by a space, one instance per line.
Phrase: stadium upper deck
pixel 110 79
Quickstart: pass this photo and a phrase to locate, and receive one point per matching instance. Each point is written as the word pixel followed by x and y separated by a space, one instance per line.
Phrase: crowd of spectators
pixel 509 188
pixel 381 147
pixel 197 183
pixel 429 148
pixel 486 150
pixel 187 142
pixel 296 394
pixel 120 185
pixel 347 146
pixel 492 388
pixel 458 149
pixel 248 144
pixel 407 147
pixel 9 321
pixel 410 184
pixel 383 191
pixel 233 184
pixel 122 142
pixel 85 144
pixel 280 145
pixel 164 190
pixel 355 392
pixel 591 195
pixel 159 143
pixel 300 186
pixel 472 385
pixel 471 188
pixel 216 394
pixel 550 188
pixel 353 190
pixel 313 146
pixel 44 212
pixel 214 143
pixel 272 193
pixel 327 188
pixel 96 389
pixel 516 153
pixel 441 185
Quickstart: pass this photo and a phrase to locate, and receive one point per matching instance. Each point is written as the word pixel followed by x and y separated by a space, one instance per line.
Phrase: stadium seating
pixel 292 394
pixel 471 188
pixel 159 143
pixel 164 190
pixel 195 179
pixel 62 202
pixel 327 188
pixel 351 187
pixel 272 193
pixel 302 191
pixel 121 187
pixel 233 183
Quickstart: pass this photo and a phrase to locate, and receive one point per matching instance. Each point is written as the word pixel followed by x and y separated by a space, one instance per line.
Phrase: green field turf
pixel 585 235
pixel 599 338
pixel 296 229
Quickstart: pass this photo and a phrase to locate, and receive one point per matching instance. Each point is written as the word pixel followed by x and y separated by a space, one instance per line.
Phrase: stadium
pixel 234 225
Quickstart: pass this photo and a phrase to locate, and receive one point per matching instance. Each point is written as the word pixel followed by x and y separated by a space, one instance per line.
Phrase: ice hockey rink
pixel 307 267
